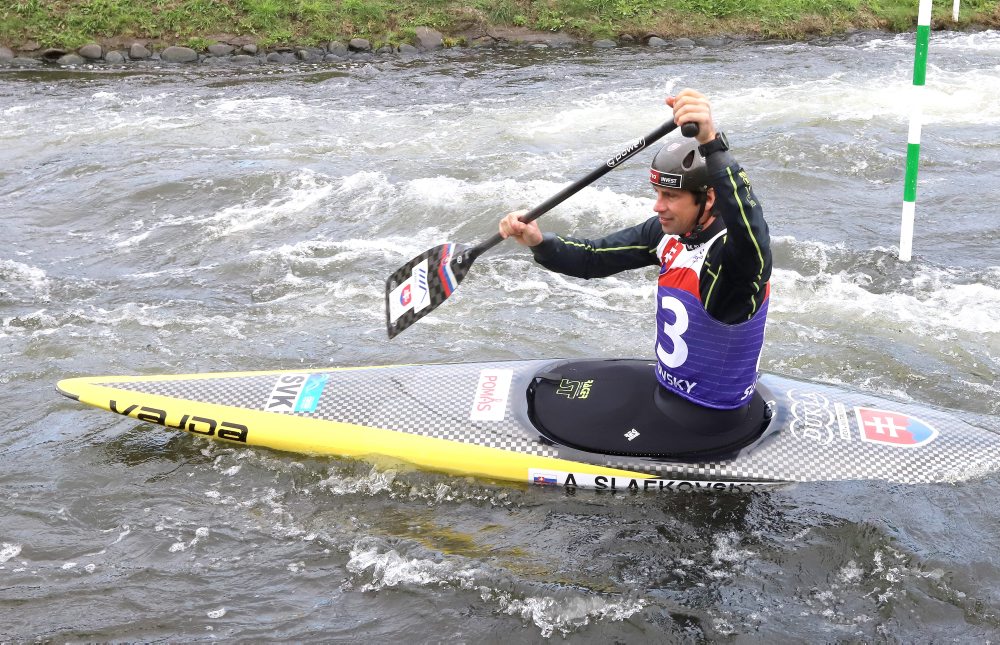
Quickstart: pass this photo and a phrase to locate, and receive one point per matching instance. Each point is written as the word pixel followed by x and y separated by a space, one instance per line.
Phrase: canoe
pixel 491 420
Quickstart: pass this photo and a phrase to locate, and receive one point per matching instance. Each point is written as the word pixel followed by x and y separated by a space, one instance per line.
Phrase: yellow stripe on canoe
pixel 310 436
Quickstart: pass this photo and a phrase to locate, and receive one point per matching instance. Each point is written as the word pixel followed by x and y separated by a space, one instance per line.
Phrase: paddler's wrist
pixel 545 248
pixel 706 133
pixel 717 162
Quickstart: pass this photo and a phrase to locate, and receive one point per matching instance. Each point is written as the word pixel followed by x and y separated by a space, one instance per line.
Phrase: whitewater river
pixel 192 220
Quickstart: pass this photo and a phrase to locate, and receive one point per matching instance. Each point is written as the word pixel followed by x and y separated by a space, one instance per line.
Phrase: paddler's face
pixel 677 210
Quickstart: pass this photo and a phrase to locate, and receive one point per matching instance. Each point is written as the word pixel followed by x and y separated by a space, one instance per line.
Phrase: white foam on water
pixel 9 550
pixel 612 293
pixel 390 569
pixel 323 252
pixel 983 42
pixel 38 323
pixel 25 278
pixel 888 572
pixel 851 573
pixel 439 192
pixel 564 615
pixel 261 109
pixel 374 483
pixel 75 125
pixel 928 312
pixel 948 98
pixel 163 221
pixel 103 322
pixel 18 122
pixel 485 201
pixel 363 181
pixel 603 111
pixel 108 99
pixel 359 117
pixel 366 194
pixel 199 534
pixel 303 193
pixel 432 109
pixel 876 288
pixel 122 534
pixel 439 206
pixel 727 556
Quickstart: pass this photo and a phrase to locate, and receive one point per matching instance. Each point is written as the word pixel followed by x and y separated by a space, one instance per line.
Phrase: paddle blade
pixel 422 284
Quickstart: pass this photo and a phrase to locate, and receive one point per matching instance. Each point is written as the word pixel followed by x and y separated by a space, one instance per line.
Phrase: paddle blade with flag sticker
pixel 422 284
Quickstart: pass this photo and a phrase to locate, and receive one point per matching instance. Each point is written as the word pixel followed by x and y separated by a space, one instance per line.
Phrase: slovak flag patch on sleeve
pixel 893 428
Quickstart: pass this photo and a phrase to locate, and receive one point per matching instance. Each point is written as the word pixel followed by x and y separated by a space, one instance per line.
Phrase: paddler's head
pixel 684 198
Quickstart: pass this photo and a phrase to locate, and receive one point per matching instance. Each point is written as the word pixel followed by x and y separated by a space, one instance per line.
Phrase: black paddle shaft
pixel 422 284
pixel 688 130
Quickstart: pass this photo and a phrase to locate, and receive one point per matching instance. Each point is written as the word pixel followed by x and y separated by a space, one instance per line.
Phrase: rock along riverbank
pixel 237 51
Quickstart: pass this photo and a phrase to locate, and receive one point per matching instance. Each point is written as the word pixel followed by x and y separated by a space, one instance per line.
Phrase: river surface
pixel 192 220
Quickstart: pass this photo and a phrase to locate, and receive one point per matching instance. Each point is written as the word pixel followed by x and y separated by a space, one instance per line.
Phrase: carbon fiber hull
pixel 471 419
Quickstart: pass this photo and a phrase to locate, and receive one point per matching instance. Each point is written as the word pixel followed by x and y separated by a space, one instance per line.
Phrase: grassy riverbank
pixel 70 23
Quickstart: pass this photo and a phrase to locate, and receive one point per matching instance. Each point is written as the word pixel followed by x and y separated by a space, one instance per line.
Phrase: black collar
pixel 697 239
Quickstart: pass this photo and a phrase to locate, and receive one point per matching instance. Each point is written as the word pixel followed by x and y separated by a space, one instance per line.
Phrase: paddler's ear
pixel 709 199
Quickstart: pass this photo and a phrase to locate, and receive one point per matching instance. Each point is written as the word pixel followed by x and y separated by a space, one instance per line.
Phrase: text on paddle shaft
pixel 626 153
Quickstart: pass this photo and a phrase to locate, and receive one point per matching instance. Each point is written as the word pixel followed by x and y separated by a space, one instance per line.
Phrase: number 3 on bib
pixel 673 331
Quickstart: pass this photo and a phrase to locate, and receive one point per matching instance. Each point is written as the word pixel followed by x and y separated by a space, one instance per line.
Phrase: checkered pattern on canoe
pixel 250 392
pixel 436 400
pixel 959 451
pixel 431 401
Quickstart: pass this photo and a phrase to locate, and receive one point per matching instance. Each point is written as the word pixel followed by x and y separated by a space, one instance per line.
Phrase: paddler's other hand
pixel 527 234
pixel 693 107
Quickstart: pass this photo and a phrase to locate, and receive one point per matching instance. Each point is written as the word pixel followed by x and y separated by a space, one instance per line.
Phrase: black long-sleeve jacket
pixel 733 281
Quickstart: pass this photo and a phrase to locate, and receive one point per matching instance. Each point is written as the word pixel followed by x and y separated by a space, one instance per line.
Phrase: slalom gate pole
pixel 913 138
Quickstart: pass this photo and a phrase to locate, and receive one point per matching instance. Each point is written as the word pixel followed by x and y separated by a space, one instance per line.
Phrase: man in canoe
pixel 711 242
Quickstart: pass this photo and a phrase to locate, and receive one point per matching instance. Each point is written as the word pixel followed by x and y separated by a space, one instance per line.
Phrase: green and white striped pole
pixel 913 139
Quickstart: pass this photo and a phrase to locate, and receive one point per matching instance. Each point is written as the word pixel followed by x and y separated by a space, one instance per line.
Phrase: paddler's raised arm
pixel 745 260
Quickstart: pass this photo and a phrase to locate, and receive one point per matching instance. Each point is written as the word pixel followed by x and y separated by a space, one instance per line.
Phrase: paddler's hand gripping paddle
pixel 422 284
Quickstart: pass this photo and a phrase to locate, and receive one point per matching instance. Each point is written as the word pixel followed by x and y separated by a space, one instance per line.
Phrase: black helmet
pixel 678 164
